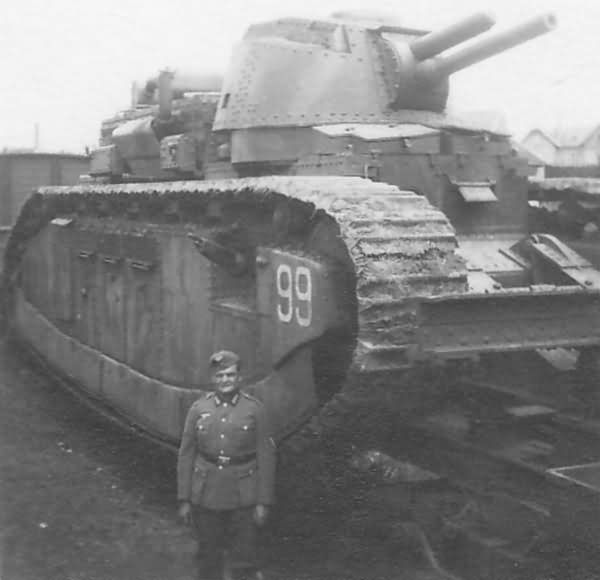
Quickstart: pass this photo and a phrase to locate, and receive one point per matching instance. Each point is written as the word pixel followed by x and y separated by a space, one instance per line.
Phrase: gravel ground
pixel 83 499
pixel 79 498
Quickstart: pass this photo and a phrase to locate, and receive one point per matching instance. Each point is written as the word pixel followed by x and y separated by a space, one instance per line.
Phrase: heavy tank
pixel 366 252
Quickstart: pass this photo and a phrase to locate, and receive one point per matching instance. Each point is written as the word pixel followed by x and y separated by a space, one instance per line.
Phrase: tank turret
pixel 305 73
pixel 299 73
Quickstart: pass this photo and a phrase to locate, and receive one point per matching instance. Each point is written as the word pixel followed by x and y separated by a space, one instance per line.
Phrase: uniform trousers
pixel 232 530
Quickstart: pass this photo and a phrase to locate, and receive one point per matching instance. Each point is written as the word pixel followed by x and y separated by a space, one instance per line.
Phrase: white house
pixel 537 168
pixel 565 147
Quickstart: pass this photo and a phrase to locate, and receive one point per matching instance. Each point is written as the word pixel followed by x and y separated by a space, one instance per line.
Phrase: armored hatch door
pixel 234 317
pixel 185 324
pixel 111 319
pixel 142 294
pixel 85 283
pixel 60 295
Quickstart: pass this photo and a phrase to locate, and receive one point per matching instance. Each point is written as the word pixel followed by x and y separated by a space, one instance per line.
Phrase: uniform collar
pixel 220 399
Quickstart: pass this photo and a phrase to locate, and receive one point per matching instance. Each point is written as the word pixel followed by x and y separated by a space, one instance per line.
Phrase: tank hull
pixel 152 405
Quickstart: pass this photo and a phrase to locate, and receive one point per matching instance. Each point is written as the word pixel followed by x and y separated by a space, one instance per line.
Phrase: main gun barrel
pixel 439 40
pixel 435 69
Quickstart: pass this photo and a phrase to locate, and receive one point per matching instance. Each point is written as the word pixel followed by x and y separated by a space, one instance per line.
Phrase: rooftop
pixel 572 136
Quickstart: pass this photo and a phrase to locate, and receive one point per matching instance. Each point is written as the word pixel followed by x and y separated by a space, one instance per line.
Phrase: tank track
pixel 401 246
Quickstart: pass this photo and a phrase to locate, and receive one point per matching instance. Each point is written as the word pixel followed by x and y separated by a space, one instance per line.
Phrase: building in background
pixel 22 171
pixel 537 167
pixel 567 151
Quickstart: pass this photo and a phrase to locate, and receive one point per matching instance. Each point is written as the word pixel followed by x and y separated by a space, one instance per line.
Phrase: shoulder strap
pixel 251 398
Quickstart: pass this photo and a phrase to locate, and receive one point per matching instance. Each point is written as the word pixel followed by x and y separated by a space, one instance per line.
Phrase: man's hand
pixel 185 512
pixel 261 513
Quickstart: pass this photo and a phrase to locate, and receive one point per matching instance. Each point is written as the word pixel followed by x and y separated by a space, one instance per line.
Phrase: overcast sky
pixel 67 64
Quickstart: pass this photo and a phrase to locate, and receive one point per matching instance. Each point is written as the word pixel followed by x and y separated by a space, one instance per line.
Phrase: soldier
pixel 225 472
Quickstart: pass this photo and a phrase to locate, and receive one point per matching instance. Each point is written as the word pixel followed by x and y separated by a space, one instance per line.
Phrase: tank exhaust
pixel 165 94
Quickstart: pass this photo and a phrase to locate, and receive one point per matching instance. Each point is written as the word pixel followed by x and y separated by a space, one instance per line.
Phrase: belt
pixel 225 460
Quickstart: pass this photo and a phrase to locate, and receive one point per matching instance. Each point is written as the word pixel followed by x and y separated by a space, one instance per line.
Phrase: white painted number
pixel 303 288
pixel 284 289
pixel 295 294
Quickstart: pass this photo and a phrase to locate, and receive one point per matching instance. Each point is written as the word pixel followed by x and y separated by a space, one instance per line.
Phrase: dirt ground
pixel 79 498
pixel 82 499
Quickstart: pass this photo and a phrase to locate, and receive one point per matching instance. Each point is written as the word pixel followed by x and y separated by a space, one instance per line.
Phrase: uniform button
pixel 220 467
pixel 222 435
pixel 221 452
pixel 245 427
pixel 223 420
pixel 224 404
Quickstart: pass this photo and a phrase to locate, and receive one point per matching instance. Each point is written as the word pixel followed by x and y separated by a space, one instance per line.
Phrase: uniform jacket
pixel 236 429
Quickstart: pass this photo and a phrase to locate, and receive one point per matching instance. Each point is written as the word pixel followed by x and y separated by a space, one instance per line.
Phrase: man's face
pixel 227 380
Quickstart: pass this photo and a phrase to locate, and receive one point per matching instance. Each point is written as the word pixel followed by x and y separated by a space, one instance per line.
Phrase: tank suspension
pixel 225 257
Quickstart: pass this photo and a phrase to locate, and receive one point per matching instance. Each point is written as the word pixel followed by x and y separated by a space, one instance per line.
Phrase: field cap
pixel 223 359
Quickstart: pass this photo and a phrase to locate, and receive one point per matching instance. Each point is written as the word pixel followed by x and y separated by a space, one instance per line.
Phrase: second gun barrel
pixel 435 69
pixel 439 40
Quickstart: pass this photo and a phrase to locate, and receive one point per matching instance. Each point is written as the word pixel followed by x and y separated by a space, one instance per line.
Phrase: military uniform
pixel 226 466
